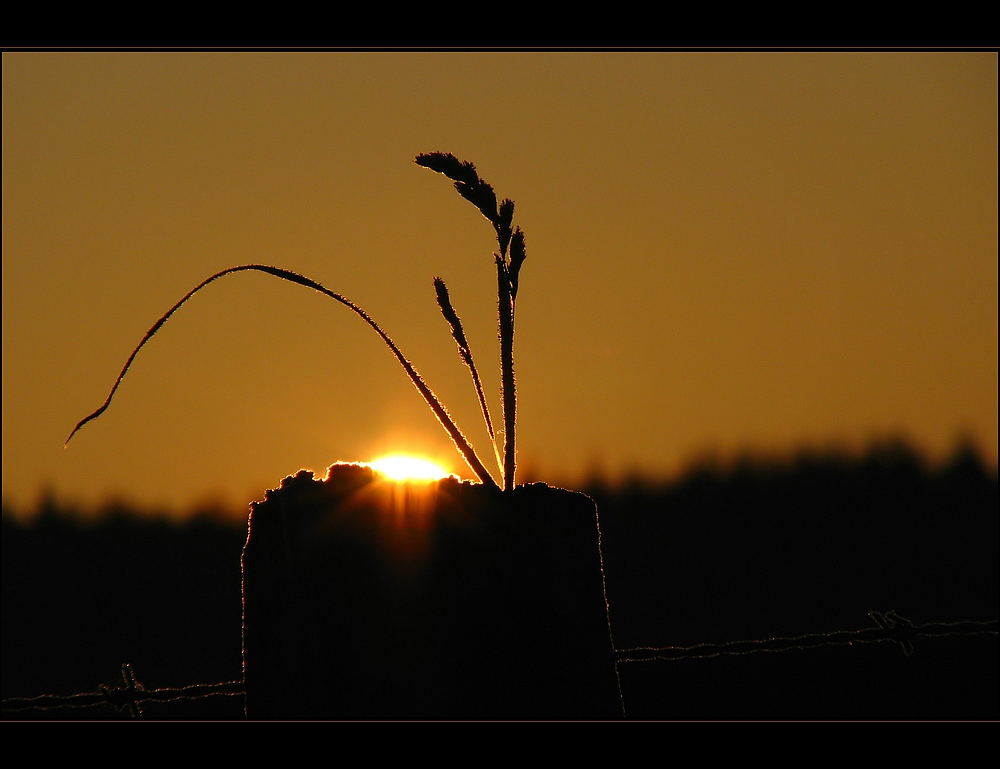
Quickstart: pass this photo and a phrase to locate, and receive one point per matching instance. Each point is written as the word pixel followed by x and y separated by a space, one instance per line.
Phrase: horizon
pixel 722 469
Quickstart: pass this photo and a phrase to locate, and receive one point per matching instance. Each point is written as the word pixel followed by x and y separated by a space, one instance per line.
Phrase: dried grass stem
pixel 463 445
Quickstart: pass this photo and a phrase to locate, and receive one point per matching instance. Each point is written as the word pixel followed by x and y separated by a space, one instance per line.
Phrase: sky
pixel 726 253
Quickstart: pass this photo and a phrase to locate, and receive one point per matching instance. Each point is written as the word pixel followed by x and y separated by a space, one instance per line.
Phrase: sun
pixel 406 467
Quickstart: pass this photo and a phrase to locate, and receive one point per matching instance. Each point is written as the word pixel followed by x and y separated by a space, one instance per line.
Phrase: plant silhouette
pixel 482 196
pixel 508 264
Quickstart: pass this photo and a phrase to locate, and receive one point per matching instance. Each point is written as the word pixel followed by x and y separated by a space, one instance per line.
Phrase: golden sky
pixel 726 252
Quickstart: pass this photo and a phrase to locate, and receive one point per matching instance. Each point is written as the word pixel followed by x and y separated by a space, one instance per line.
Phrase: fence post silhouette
pixel 472 603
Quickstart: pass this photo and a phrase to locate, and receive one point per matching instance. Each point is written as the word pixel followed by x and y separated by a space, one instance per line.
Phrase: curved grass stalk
pixel 461 443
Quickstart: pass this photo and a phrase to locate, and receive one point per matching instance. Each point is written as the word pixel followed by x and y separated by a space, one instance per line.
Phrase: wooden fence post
pixel 364 598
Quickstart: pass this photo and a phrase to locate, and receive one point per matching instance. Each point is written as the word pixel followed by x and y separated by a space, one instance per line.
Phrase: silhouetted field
pixel 748 552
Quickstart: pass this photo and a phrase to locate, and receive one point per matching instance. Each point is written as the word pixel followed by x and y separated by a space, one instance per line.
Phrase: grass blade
pixel 444 302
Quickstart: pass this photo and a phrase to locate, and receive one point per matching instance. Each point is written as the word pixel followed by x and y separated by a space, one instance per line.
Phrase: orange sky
pixel 726 251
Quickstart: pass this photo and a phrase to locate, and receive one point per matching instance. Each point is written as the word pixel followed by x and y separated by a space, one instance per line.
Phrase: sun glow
pixel 404 467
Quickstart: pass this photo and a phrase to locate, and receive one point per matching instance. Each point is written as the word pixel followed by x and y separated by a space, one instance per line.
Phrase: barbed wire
pixel 127 694
pixel 890 626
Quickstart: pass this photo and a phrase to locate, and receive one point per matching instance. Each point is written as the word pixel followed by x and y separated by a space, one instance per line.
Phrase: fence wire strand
pixel 890 627
pixel 128 695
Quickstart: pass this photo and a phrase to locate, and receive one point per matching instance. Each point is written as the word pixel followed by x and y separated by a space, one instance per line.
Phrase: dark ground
pixel 751 552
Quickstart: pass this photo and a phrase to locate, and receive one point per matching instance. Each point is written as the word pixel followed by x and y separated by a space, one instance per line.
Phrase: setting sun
pixel 404 467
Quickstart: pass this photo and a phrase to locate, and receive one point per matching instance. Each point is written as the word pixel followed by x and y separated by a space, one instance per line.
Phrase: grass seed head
pixel 467 182
pixel 517 256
